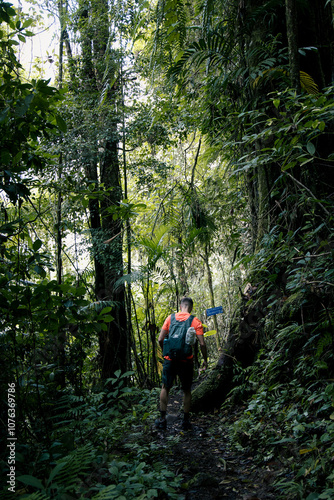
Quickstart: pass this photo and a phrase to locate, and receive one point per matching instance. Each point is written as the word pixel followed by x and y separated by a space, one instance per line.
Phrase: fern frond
pixel 324 342
pixel 98 306
pixel 107 493
pixel 308 84
pixel 37 495
pixel 171 30
pixel 289 332
pixel 69 468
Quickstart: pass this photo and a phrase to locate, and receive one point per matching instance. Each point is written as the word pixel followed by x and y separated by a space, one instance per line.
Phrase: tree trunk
pixel 61 340
pixel 182 283
pixel 114 343
pixel 107 233
pixel 240 348
pixel 127 222
pixel 211 292
pixel 292 36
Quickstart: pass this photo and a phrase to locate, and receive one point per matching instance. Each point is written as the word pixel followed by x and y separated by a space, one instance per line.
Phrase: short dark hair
pixel 187 301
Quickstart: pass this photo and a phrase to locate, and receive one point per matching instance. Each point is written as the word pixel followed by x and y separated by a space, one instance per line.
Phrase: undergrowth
pixel 291 423
pixel 288 392
pixel 100 449
pixel 288 395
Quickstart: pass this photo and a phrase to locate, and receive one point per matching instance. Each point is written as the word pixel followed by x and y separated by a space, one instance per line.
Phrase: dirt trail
pixel 208 465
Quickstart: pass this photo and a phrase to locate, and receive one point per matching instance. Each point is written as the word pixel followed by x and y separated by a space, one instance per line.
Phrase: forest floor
pixel 206 461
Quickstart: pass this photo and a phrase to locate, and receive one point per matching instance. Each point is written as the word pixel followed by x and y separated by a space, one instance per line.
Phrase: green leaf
pixel 291 164
pixel 313 496
pixel 37 245
pixel 55 471
pixel 61 123
pixel 65 287
pixel 107 318
pixel 31 481
pixel 105 310
pixel 39 270
pixel 322 126
pixel 211 332
pixel 128 374
pixel 3 114
pixel 310 148
pixel 17 158
pixel 5 156
pixel 27 23
pixel 152 493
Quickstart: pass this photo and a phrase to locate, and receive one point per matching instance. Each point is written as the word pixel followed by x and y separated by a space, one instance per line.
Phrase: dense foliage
pixel 185 148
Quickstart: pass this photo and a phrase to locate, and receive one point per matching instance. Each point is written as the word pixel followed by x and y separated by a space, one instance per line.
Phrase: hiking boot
pixel 186 425
pixel 161 424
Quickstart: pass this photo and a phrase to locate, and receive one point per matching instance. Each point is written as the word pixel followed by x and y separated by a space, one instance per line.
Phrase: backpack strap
pixel 172 319
pixel 189 321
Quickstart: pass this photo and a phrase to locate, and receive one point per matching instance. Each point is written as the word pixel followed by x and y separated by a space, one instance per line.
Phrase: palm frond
pixel 130 278
pixel 308 84
pixel 306 81
pixel 154 244
pixel 212 51
pixel 171 27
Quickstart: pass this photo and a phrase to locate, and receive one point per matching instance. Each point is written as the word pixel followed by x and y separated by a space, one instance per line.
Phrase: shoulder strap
pixel 172 323
pixel 189 321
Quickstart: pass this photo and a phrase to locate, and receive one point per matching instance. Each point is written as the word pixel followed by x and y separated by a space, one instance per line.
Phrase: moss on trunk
pixel 240 348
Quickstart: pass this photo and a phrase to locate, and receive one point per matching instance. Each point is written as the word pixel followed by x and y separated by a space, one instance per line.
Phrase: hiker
pixel 178 358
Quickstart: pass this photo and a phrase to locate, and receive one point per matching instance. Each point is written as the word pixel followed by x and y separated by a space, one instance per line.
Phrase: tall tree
pixel 96 89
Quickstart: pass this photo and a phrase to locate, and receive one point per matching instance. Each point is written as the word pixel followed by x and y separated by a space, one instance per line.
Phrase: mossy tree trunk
pixel 240 348
pixel 292 36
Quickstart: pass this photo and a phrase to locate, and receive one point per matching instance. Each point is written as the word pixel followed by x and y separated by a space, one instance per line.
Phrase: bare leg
pixel 164 398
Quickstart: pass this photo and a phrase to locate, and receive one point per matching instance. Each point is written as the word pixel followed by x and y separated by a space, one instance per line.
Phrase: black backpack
pixel 175 346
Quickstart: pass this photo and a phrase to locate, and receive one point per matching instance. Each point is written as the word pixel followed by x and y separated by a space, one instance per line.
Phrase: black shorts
pixel 184 369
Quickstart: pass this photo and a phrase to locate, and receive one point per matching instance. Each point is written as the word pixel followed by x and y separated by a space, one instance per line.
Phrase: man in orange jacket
pixel 182 368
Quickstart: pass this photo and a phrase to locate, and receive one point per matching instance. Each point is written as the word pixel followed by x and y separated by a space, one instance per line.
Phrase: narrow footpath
pixel 204 458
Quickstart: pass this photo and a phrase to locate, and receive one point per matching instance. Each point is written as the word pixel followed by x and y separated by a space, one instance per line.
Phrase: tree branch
pixel 309 191
pixel 195 163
